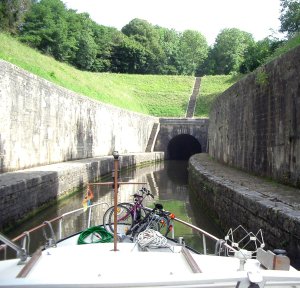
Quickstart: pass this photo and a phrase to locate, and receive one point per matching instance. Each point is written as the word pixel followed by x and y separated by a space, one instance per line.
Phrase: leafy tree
pixel 76 25
pixel 193 50
pixel 229 50
pixel 290 17
pixel 12 14
pixel 284 46
pixel 130 57
pixel 141 31
pixel 106 38
pixel 4 20
pixel 62 33
pixel 169 42
pixel 207 67
pixel 257 53
pixel 81 33
pixel 46 28
pixel 86 53
pixel 144 33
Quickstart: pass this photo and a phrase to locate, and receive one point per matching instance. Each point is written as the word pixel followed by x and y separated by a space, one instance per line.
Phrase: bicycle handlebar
pixel 144 191
pixel 162 211
pixel 148 193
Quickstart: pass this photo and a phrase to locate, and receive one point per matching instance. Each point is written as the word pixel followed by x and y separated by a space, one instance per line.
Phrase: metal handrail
pixel 10 243
pixel 77 210
pixel 61 218
pixel 21 252
pixel 201 231
pixel 204 235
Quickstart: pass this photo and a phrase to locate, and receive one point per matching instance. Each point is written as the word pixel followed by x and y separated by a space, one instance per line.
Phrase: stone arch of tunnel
pixel 182 147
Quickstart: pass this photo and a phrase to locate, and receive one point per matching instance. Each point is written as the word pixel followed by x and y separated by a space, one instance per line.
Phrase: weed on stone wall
pixel 261 77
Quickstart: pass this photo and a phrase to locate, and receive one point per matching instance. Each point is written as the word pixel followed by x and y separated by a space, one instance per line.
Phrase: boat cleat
pixel 252 266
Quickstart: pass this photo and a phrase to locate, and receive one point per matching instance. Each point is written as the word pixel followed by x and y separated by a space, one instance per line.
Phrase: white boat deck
pixel 97 265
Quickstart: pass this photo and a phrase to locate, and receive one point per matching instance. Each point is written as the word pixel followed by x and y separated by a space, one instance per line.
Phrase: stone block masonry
pixel 42 123
pixel 235 198
pixel 24 191
pixel 170 128
pixel 255 124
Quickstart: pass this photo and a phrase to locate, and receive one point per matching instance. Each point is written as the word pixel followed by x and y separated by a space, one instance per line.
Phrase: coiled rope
pixel 94 235
pixel 152 239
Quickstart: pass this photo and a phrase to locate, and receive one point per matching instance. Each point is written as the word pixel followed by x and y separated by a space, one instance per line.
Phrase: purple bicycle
pixel 128 214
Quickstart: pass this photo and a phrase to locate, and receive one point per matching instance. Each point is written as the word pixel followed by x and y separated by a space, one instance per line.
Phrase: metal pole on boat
pixel 116 167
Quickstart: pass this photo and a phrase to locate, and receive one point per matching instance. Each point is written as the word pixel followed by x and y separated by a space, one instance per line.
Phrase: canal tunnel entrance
pixel 182 147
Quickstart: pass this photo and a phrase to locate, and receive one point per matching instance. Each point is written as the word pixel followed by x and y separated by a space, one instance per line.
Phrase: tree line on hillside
pixel 139 47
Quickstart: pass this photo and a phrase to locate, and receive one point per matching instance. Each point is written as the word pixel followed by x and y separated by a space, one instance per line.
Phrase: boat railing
pixel 25 236
pixel 90 207
pixel 205 235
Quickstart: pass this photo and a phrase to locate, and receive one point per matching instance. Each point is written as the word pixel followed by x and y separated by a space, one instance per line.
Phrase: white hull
pixel 68 264
pixel 97 265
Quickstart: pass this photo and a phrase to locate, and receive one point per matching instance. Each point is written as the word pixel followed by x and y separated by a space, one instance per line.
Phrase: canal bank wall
pixel 24 192
pixel 43 123
pixel 255 124
pixel 234 197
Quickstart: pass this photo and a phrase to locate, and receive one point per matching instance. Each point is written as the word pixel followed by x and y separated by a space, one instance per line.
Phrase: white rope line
pixel 152 239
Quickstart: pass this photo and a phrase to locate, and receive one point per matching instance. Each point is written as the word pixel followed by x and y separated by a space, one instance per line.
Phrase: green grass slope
pixel 211 87
pixel 157 95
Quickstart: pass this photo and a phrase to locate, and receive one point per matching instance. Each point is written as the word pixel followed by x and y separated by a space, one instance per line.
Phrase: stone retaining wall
pixel 232 205
pixel 24 191
pixel 42 123
pixel 255 124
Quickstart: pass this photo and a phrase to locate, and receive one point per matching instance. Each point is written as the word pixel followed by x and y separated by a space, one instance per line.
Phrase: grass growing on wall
pixel 285 47
pixel 157 95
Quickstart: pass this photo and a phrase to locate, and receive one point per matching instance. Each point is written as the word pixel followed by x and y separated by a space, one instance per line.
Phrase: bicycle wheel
pixel 105 219
pixel 124 219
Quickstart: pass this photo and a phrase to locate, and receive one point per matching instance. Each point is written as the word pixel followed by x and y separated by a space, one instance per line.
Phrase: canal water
pixel 166 180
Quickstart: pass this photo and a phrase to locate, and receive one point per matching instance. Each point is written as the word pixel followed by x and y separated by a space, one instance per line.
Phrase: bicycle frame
pixel 154 216
pixel 135 209
pixel 128 212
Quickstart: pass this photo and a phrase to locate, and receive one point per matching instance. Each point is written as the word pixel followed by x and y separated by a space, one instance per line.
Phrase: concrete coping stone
pixel 37 173
pixel 255 187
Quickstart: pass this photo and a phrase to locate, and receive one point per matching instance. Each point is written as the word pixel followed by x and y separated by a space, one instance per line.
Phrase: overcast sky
pixel 209 17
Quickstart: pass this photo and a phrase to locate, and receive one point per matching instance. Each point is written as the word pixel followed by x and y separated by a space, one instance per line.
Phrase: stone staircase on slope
pixel 192 102
pixel 152 138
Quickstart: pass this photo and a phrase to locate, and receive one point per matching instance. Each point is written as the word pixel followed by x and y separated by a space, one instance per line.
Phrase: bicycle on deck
pixel 157 219
pixel 128 214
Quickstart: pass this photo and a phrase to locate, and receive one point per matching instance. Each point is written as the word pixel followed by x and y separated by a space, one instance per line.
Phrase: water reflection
pixel 166 180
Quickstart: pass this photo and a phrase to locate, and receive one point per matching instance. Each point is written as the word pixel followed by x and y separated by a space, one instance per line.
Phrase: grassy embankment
pixel 157 95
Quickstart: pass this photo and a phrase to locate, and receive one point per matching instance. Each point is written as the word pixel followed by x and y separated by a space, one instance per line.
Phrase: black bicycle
pixel 157 219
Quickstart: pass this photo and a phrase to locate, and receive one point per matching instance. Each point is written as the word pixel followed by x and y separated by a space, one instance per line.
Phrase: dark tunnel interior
pixel 182 147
